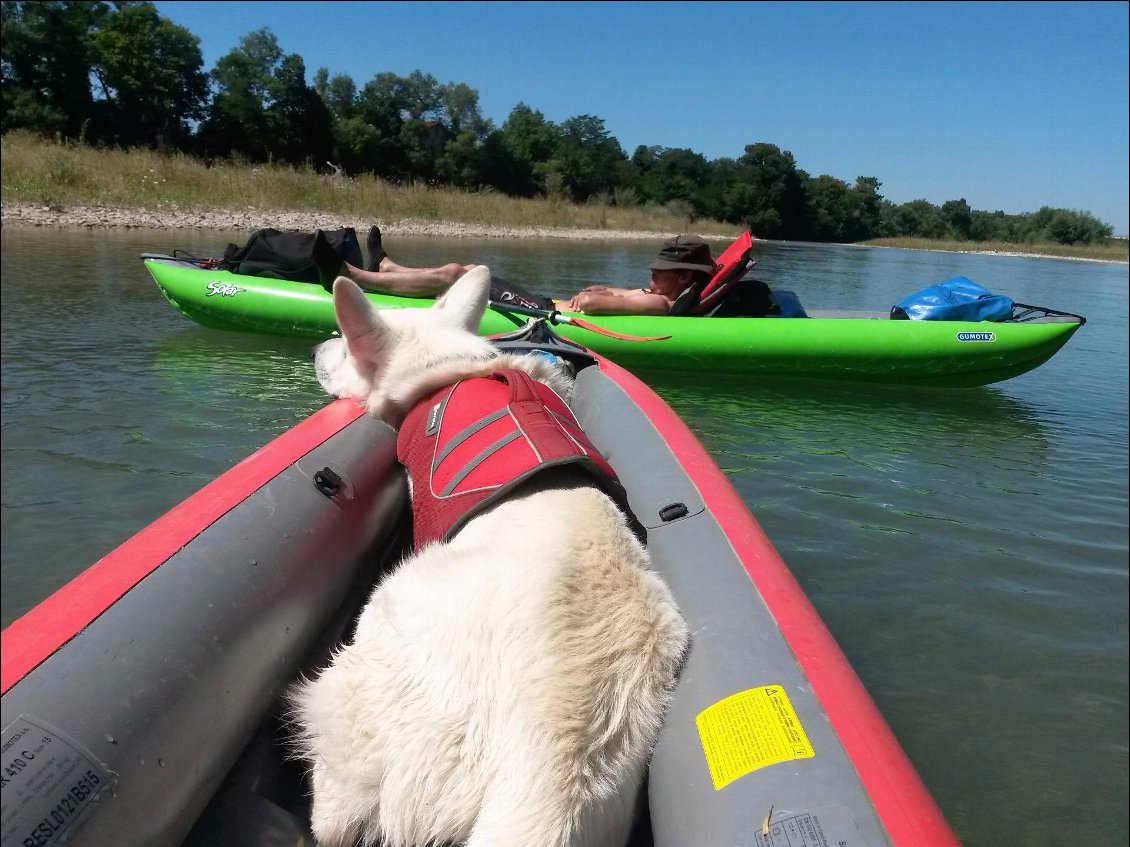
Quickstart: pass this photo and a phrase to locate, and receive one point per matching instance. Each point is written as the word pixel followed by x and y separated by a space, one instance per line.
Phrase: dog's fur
pixel 502 688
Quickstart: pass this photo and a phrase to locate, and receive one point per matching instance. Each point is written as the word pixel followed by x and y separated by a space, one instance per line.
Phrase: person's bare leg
pixel 451 269
pixel 386 276
pixel 407 282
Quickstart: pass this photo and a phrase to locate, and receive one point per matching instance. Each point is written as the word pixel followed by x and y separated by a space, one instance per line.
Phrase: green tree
pixel 865 209
pixel 264 110
pixel 442 131
pixel 916 219
pixel 338 92
pixel 828 208
pixel 356 143
pixel 462 162
pixel 300 125
pixel 959 219
pixel 517 153
pixel 381 103
pixel 460 109
pixel 589 160
pixel 238 121
pixel 381 106
pixel 713 195
pixel 421 96
pixel 151 74
pixel 413 105
pixel 45 65
pixel 671 174
pixel 768 192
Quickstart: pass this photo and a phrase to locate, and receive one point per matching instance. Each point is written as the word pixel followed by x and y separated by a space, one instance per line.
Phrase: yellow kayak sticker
pixel 750 730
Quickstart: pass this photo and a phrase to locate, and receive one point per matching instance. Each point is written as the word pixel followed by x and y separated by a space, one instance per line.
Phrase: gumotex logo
pixel 976 336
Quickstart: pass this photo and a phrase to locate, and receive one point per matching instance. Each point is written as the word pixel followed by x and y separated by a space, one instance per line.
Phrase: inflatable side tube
pixel 130 692
pixel 770 739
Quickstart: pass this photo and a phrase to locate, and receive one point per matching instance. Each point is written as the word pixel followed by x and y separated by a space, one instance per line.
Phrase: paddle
pixel 555 317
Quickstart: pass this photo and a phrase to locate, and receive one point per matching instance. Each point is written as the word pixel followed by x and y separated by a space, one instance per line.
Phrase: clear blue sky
pixel 1012 106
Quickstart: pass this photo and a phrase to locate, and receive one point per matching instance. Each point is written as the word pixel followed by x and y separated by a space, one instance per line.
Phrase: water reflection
pixel 806 418
pixel 214 368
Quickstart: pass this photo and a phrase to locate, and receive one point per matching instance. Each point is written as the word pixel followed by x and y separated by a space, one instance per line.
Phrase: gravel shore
pixel 15 214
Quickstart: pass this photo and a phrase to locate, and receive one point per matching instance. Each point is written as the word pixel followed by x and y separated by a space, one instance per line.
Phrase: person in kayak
pixel 684 265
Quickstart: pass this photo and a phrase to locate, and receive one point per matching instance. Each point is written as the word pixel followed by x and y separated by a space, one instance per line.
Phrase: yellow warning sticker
pixel 750 730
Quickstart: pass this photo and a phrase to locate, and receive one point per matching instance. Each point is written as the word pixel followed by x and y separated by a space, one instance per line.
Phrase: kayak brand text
pixel 224 289
pixel 976 336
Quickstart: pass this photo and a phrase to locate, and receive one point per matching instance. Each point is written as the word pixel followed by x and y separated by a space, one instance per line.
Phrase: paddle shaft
pixel 554 317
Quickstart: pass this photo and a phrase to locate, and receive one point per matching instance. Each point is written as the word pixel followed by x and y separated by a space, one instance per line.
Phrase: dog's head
pixel 387 359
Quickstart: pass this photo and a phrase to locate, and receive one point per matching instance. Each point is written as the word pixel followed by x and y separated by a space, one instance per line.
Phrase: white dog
pixel 505 686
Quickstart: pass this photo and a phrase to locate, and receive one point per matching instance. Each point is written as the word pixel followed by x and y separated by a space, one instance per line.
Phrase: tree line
pixel 121 74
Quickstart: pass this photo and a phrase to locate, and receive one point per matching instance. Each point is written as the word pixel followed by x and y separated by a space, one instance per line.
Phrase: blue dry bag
pixel 957 299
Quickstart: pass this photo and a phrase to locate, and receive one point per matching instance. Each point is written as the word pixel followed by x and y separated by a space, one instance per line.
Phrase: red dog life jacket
pixel 469 444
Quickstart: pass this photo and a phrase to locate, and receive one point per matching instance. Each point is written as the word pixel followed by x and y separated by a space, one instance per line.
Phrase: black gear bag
pixel 298 256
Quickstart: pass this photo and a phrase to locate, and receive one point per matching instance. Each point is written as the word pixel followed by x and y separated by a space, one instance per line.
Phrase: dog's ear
pixel 365 334
pixel 466 300
pixel 355 315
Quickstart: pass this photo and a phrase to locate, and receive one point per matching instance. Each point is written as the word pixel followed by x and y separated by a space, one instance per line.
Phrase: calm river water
pixel 967 548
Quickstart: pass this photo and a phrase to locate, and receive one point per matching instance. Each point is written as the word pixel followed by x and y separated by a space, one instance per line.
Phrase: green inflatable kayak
pixel 840 346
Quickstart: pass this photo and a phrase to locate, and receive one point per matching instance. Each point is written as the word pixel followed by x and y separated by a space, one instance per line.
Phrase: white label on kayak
pixel 829 826
pixel 750 730
pixel 224 289
pixel 976 336
pixel 48 782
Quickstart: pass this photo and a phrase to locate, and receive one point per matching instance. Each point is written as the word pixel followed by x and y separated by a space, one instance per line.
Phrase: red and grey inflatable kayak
pixel 141 700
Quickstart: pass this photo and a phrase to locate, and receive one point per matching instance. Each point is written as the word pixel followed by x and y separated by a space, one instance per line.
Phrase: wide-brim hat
pixel 684 252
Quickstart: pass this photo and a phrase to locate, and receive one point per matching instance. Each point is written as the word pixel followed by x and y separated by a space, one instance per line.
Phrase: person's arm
pixel 604 289
pixel 623 301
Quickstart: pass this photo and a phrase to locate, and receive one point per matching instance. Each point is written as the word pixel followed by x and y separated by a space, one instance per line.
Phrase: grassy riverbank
pixel 44 183
pixel 59 176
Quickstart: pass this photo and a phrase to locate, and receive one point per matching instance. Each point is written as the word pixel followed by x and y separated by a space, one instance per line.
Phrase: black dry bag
pixel 297 256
